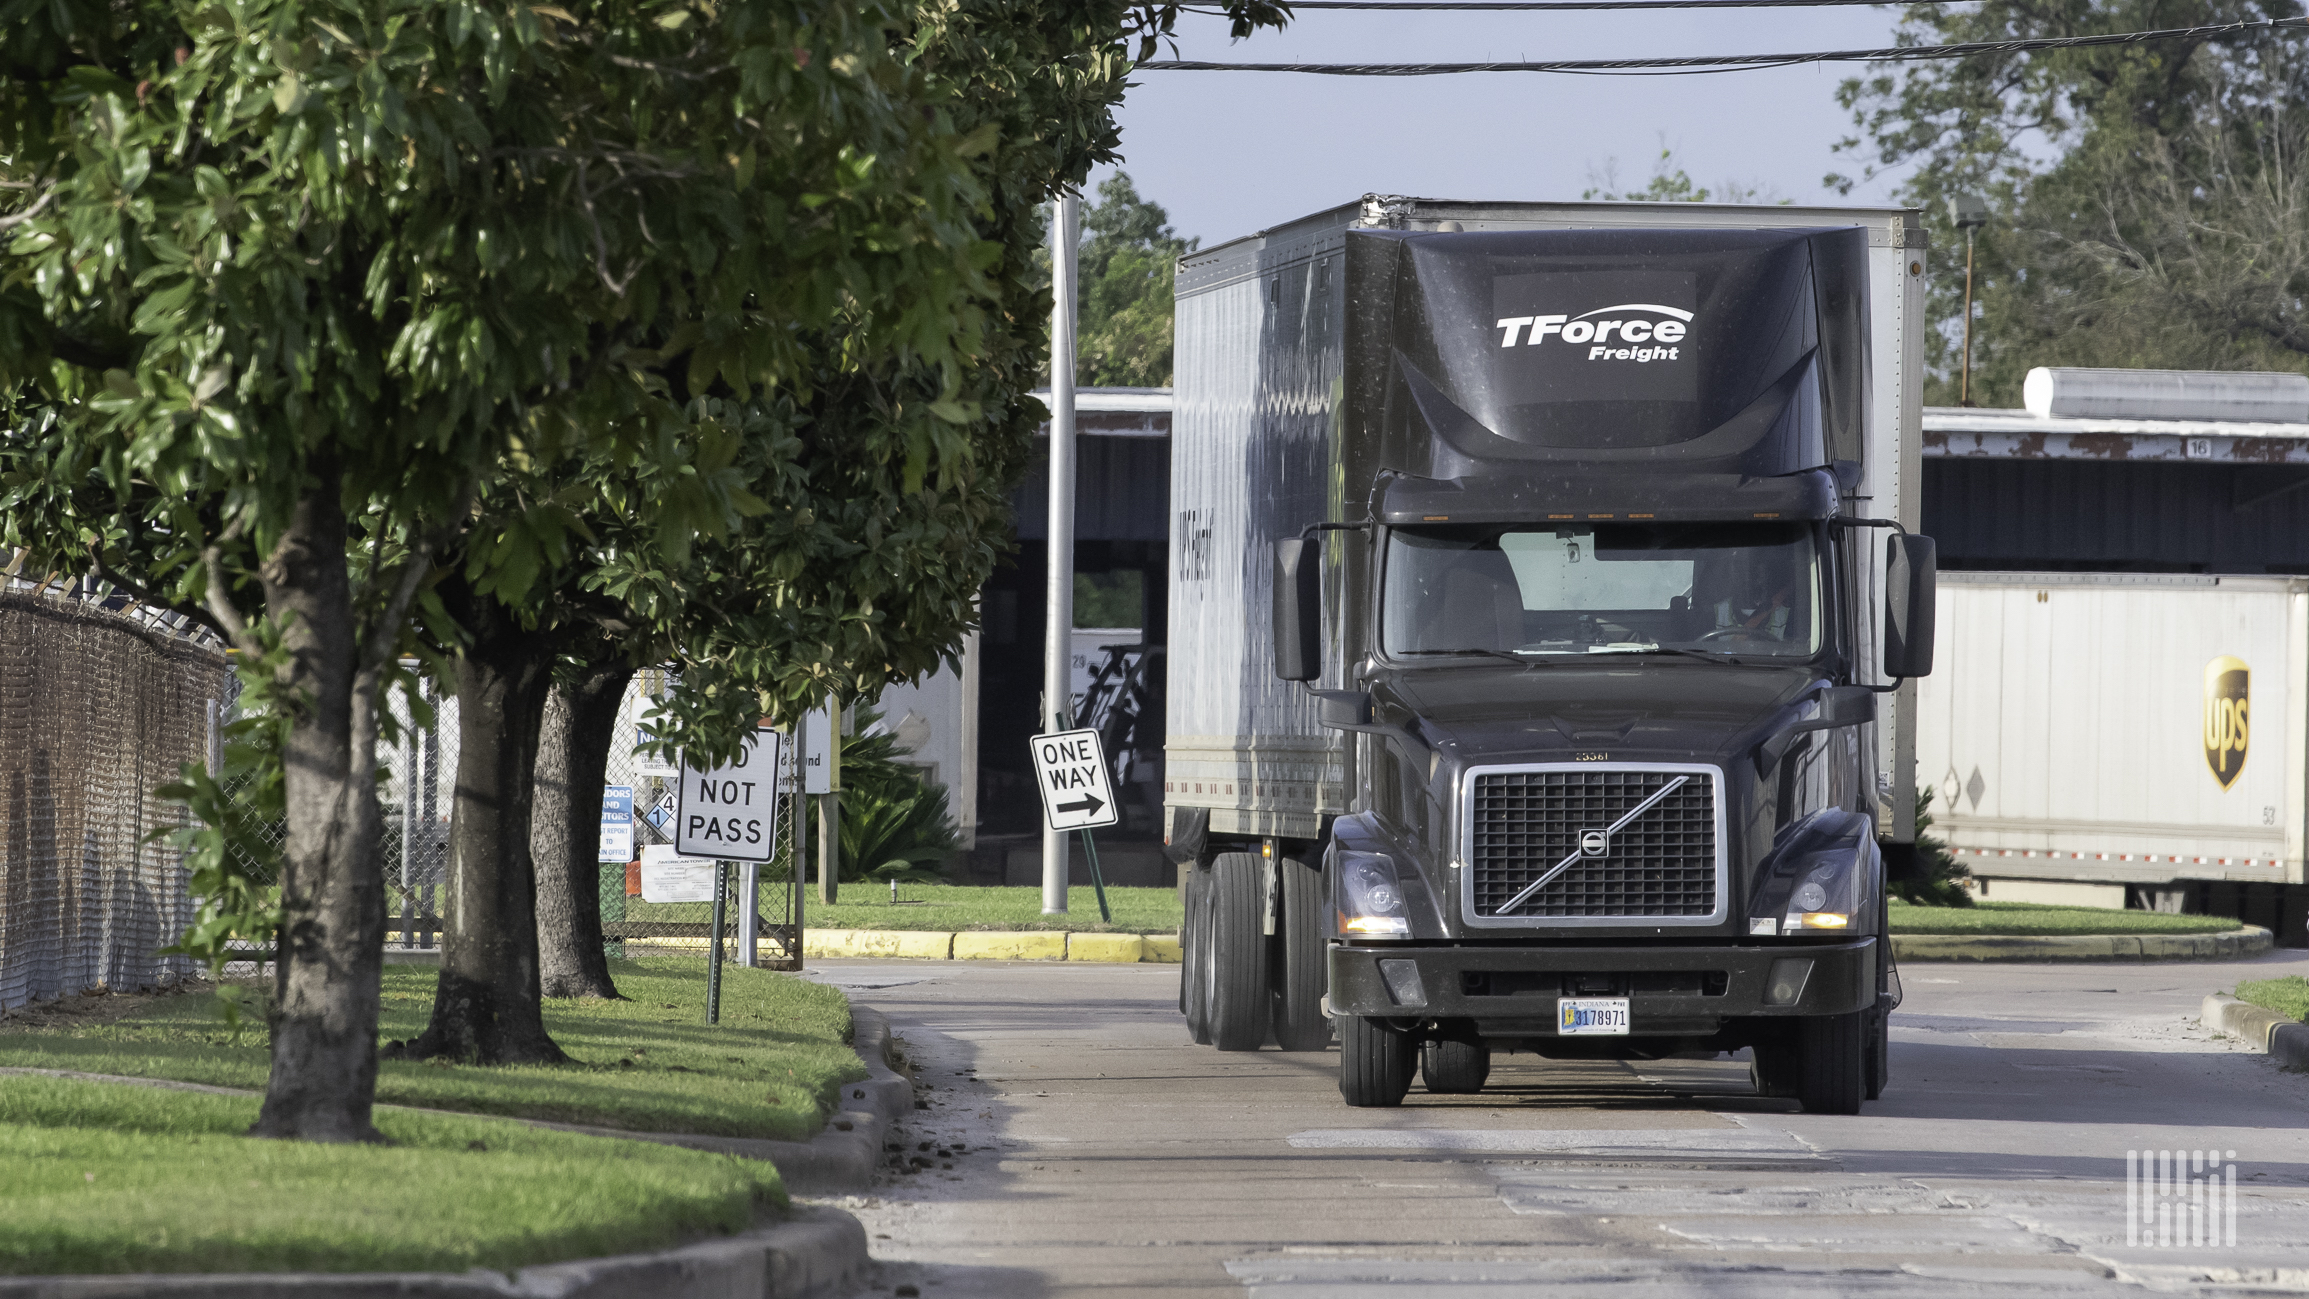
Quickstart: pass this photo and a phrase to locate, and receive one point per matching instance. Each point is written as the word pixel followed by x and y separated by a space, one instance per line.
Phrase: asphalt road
pixel 1077 1144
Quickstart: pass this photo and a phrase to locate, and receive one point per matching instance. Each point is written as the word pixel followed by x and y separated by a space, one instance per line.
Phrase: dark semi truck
pixel 1543 607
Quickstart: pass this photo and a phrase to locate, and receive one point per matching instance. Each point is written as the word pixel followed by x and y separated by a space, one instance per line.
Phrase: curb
pixel 982 945
pixel 819 1254
pixel 2266 1030
pixel 2252 940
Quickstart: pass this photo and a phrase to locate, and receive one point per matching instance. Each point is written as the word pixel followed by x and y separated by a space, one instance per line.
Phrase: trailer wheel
pixel 1305 949
pixel 1236 962
pixel 1194 962
pixel 1833 1049
pixel 1455 1066
pixel 1375 1062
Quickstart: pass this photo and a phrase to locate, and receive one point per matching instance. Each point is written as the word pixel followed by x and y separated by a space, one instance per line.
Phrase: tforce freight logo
pixel 1595 335
pixel 1627 331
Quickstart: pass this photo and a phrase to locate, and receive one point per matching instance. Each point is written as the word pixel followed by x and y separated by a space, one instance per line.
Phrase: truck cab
pixel 1590 641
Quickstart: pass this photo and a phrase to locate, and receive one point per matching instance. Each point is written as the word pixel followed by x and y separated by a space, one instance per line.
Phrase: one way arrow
pixel 1090 803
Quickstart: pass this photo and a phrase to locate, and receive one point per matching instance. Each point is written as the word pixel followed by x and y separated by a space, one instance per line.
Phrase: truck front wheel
pixel 1833 1049
pixel 1375 1062
pixel 1236 959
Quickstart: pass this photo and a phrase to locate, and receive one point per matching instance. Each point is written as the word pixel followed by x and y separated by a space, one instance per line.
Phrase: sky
pixel 1230 153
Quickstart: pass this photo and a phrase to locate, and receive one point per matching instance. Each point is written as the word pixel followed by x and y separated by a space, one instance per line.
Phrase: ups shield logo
pixel 2227 691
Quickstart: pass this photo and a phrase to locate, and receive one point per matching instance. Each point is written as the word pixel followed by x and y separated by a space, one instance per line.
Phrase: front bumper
pixel 1671 991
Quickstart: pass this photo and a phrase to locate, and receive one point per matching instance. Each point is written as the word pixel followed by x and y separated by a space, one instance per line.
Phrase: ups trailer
pixel 2125 738
pixel 1541 637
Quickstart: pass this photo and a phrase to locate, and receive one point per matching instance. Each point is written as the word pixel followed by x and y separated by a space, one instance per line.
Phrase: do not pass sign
pixel 731 811
pixel 1070 771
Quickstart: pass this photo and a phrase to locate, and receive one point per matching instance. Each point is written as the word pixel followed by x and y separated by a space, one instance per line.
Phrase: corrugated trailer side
pixel 2074 728
pixel 1252 462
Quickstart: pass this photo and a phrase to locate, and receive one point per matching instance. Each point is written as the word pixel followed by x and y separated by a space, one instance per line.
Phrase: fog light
pixel 1826 920
pixel 1784 986
pixel 1402 980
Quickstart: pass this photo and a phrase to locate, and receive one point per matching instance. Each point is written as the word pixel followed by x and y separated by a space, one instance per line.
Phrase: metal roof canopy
pixel 1960 432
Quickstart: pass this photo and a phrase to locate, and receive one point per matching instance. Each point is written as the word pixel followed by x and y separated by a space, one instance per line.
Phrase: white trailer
pixel 2119 730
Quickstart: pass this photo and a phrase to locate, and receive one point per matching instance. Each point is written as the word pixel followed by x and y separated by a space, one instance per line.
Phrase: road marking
pixel 1595 1142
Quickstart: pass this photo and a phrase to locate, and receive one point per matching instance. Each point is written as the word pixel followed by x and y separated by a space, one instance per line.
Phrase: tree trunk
pixel 486 1008
pixel 323 1017
pixel 565 829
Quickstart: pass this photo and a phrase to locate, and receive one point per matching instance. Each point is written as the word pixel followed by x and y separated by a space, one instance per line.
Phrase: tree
pixel 1128 259
pixel 2140 193
pixel 1670 184
pixel 293 285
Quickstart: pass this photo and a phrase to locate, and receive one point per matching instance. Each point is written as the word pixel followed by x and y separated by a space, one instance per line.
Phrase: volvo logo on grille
pixel 1594 843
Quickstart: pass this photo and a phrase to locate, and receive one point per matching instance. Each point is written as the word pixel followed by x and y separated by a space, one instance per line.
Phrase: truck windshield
pixel 1741 589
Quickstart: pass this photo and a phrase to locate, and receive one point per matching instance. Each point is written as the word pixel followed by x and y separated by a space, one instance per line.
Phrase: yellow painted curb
pixel 1028 946
pixel 1117 949
pixel 914 944
pixel 1162 949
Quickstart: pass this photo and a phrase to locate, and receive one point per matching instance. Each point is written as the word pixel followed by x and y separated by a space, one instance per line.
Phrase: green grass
pixel 2030 918
pixel 961 906
pixel 112 1177
pixel 772 1068
pixel 2288 996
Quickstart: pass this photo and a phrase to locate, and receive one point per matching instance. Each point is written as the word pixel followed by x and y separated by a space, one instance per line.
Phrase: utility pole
pixel 1970 212
pixel 1058 631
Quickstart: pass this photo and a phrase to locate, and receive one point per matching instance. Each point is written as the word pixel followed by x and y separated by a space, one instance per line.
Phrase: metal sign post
pixel 714 956
pixel 1058 630
pixel 1077 794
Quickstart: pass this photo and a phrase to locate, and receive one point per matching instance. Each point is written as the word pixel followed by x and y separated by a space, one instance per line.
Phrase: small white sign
pixel 821 756
pixel 667 878
pixel 616 823
pixel 644 765
pixel 1070 770
pixel 731 812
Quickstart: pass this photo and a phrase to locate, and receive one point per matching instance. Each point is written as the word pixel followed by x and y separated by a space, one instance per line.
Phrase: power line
pixel 1535 6
pixel 1736 62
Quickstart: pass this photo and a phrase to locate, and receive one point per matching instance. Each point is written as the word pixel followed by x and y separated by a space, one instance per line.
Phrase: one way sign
pixel 1071 773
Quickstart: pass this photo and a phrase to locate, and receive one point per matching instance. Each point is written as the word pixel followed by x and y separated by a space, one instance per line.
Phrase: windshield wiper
pixel 1705 656
pixel 1517 659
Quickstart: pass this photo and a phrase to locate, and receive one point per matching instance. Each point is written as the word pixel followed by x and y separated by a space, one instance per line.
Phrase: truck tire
pixel 1375 1062
pixel 1194 961
pixel 1879 1033
pixel 1833 1049
pixel 1236 962
pixel 1455 1066
pixel 1305 949
pixel 1775 1065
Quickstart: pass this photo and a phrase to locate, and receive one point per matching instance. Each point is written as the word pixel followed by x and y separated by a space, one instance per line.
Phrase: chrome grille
pixel 1660 864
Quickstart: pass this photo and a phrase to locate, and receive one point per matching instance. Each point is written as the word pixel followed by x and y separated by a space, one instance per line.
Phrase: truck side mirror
pixel 1910 568
pixel 1298 610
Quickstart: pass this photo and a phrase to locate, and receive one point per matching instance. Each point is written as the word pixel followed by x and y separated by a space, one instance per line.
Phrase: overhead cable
pixel 1739 62
pixel 1534 6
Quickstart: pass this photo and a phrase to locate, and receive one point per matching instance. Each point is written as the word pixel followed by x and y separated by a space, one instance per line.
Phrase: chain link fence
pixel 101 703
pixel 419 795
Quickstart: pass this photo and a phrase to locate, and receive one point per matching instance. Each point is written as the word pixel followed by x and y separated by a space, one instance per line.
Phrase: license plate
pixel 1599 1015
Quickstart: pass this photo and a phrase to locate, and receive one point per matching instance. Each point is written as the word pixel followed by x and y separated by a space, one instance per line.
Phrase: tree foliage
pixel 292 286
pixel 1129 254
pixel 2147 200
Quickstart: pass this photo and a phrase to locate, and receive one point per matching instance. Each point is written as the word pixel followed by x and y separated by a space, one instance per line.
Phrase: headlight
pixel 1370 897
pixel 1826 899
